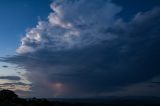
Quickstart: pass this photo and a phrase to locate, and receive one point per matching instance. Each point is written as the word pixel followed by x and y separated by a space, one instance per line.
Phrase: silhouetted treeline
pixel 9 98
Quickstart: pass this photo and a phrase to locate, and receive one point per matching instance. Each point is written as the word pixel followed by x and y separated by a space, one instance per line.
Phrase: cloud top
pixel 72 24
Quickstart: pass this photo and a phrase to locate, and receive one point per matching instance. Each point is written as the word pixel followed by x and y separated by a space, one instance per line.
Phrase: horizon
pixel 80 48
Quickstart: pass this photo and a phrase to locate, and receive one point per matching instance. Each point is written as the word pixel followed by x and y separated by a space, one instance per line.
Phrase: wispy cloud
pixel 17 78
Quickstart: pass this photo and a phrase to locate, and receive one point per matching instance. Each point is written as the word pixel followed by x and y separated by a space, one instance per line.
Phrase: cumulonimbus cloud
pixel 85 50
pixel 70 25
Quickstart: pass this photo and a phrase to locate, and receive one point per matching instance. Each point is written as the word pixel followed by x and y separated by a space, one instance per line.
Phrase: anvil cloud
pixel 86 49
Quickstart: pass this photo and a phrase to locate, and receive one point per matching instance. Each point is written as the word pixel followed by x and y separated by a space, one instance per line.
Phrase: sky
pixel 80 48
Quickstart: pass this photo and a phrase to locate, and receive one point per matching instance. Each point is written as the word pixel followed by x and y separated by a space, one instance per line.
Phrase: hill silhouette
pixel 9 98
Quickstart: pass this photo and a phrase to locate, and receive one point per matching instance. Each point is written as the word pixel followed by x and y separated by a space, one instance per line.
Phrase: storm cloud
pixel 89 51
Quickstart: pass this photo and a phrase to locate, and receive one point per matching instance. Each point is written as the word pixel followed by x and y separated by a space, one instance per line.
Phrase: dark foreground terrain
pixel 9 98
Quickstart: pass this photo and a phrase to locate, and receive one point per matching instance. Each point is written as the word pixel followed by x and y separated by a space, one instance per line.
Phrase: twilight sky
pixel 80 48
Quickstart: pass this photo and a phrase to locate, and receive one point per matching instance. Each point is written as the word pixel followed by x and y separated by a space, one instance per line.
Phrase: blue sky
pixel 16 17
pixel 80 48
